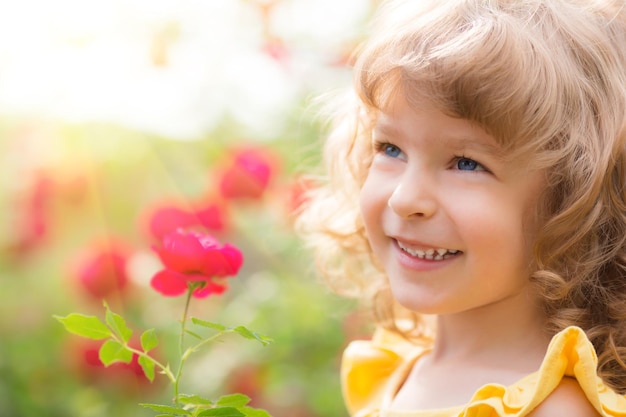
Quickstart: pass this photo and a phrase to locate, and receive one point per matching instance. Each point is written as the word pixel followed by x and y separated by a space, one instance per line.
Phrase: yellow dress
pixel 373 371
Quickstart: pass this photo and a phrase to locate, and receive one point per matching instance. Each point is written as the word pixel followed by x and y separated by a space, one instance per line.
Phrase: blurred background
pixel 122 119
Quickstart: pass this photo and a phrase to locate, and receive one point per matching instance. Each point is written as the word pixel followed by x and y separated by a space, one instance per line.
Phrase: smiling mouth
pixel 430 254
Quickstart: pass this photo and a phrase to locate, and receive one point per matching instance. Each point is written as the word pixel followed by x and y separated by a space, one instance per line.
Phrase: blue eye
pixel 391 150
pixel 466 164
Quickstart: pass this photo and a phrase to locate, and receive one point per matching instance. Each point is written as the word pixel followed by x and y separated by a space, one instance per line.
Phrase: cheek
pixel 371 191
pixel 489 222
pixel 368 203
pixel 372 204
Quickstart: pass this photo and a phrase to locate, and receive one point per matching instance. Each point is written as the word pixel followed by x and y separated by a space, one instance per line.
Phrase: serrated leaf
pixel 86 326
pixel 118 325
pixel 167 409
pixel 255 412
pixel 222 412
pixel 194 400
pixel 233 400
pixel 112 351
pixel 147 365
pixel 149 340
pixel 208 324
pixel 249 334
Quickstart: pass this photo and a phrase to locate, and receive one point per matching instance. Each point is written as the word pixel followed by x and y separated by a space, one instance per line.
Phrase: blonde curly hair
pixel 545 78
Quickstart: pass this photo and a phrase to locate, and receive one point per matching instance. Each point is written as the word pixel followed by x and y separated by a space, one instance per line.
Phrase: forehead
pixel 426 122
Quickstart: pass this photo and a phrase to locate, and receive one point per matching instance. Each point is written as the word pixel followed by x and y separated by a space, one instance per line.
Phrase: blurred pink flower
pixel 276 49
pixel 297 194
pixel 33 210
pixel 250 379
pixel 168 217
pixel 92 359
pixel 101 270
pixel 84 359
pixel 249 173
pixel 192 257
pixel 213 216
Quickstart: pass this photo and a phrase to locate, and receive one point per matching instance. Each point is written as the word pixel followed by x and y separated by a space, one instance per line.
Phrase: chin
pixel 418 306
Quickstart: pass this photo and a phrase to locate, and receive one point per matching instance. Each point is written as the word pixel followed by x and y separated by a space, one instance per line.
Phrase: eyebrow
pixel 456 142
pixel 490 149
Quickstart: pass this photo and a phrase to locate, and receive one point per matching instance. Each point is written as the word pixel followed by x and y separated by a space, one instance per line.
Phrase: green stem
pixel 181 346
pixel 166 371
pixel 209 340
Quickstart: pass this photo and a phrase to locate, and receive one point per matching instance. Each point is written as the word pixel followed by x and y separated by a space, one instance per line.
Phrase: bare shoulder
pixel 568 399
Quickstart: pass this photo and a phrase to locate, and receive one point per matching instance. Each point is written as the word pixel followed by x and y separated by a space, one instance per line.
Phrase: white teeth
pixel 429 254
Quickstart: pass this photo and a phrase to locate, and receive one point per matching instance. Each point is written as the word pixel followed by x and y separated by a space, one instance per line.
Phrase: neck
pixel 493 335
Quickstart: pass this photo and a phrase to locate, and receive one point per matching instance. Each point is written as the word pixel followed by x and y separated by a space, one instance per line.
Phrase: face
pixel 449 218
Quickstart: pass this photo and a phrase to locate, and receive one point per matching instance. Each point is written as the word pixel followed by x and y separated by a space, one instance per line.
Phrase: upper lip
pixel 419 246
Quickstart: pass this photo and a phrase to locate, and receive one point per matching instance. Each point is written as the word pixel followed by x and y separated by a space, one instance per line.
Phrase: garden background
pixel 123 119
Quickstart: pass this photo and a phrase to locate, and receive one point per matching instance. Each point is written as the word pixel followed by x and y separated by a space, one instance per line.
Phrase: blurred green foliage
pixel 65 186
pixel 100 182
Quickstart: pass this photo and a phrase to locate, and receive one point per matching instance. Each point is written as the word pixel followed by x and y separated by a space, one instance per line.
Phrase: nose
pixel 413 199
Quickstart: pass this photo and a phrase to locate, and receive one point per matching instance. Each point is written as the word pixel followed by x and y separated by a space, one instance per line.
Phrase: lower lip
pixel 415 263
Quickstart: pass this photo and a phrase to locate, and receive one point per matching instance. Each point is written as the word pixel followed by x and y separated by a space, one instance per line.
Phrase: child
pixel 477 195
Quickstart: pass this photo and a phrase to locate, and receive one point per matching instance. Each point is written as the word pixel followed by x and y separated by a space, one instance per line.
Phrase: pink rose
pixel 166 218
pixel 189 258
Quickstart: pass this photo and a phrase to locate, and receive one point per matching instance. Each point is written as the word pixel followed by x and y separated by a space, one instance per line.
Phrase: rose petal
pixel 207 241
pixel 211 288
pixel 167 219
pixel 182 252
pixel 222 262
pixel 196 277
pixel 234 258
pixel 169 283
pixel 213 263
pixel 213 217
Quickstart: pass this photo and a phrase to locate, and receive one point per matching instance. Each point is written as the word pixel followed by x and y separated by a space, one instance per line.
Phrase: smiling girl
pixel 477 195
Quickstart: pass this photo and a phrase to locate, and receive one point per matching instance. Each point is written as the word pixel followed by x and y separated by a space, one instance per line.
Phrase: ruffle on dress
pixel 373 370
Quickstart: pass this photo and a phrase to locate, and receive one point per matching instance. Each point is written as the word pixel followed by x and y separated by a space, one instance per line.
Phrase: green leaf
pixel 112 351
pixel 147 364
pixel 222 412
pixel 194 400
pixel 208 324
pixel 118 325
pixel 175 411
pixel 86 326
pixel 233 400
pixel 149 340
pixel 255 412
pixel 249 334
